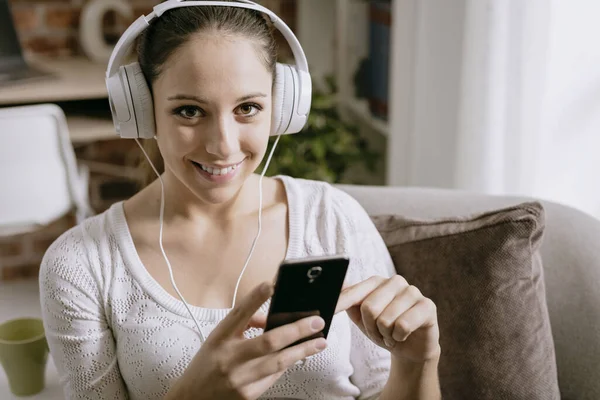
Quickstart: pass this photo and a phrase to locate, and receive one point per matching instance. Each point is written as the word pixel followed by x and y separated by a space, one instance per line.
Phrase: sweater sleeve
pixel 79 337
pixel 368 257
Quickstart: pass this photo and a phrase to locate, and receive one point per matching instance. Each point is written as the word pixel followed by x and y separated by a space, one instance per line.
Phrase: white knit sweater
pixel 115 333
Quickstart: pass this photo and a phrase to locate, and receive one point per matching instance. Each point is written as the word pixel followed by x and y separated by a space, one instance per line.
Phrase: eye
pixel 249 109
pixel 188 112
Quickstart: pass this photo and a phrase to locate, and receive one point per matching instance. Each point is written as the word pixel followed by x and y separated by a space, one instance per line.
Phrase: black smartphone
pixel 306 287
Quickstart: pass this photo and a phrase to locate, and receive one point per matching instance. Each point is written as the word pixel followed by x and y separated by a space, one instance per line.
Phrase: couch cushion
pixel 485 275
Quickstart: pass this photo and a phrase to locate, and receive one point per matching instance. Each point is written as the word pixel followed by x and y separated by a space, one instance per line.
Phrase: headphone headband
pixel 127 40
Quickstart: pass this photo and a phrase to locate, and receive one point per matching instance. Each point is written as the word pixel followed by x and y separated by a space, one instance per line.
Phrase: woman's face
pixel 212 105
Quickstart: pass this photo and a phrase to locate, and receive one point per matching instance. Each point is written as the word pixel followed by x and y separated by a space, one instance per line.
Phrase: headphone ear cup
pixel 278 85
pixel 141 98
pixel 283 99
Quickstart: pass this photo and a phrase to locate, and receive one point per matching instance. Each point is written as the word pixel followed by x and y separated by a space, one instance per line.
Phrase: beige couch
pixel 571 257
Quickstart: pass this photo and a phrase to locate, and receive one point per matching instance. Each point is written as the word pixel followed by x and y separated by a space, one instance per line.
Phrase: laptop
pixel 13 67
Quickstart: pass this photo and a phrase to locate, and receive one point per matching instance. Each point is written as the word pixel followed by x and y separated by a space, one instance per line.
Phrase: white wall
pixel 427 51
pixel 316 34
pixel 438 78
pixel 334 36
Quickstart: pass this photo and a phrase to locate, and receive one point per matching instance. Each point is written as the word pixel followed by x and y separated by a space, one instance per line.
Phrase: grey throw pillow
pixel 484 273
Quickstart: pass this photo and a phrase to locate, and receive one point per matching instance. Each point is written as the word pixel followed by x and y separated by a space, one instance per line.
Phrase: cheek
pixel 175 139
pixel 183 138
pixel 177 145
pixel 256 140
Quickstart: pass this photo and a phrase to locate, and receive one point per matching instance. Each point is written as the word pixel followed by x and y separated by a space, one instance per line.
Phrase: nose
pixel 222 138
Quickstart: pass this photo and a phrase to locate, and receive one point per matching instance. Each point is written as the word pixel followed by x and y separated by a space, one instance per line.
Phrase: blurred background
pixel 491 96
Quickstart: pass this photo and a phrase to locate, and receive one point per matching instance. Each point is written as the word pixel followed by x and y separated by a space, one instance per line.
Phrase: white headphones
pixel 131 100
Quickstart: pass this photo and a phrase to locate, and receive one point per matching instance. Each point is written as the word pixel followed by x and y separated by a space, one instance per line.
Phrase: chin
pixel 218 190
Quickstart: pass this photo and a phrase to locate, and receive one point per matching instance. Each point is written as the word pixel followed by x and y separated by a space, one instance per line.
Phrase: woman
pixel 115 326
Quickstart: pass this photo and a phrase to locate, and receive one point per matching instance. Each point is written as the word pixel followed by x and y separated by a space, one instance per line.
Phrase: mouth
pixel 217 173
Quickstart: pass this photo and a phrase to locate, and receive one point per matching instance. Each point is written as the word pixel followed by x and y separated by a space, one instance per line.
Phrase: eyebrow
pixel 202 100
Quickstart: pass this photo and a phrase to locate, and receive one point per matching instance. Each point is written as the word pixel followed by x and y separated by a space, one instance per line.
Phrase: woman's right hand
pixel 229 366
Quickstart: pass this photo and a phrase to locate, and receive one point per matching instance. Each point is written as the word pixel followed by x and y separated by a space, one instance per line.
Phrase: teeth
pixel 218 171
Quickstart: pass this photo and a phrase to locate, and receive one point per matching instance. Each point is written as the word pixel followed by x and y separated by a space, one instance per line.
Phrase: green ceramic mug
pixel 24 355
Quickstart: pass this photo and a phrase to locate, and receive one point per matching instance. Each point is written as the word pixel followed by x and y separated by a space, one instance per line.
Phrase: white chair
pixel 39 178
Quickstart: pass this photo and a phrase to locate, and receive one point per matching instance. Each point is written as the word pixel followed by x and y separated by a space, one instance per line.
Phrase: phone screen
pixel 305 287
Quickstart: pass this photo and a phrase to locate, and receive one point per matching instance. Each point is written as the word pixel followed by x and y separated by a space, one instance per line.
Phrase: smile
pixel 218 174
pixel 219 171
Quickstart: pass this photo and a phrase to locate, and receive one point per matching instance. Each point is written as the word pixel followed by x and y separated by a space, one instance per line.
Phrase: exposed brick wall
pixel 20 255
pixel 49 27
pixel 118 181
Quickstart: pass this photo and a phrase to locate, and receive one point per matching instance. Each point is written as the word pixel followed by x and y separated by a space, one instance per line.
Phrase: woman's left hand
pixel 395 316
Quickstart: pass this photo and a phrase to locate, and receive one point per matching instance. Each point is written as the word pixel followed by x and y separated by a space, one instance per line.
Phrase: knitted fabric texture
pixel 115 333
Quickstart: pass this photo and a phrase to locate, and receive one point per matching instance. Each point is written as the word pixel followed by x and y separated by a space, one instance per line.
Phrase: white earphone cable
pixel 160 242
pixel 160 235
pixel 260 200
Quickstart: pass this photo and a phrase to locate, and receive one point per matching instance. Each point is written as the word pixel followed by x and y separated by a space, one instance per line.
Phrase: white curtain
pixel 570 164
pixel 500 100
pixel 498 97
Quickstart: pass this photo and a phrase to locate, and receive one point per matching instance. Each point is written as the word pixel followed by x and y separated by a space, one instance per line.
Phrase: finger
pixel 277 319
pixel 276 363
pixel 401 303
pixel 420 315
pixel 355 294
pixel 238 318
pixel 278 338
pixel 354 314
pixel 258 320
pixel 372 307
pixel 346 283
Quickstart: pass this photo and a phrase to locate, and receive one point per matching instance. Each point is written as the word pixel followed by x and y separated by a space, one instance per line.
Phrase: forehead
pixel 216 62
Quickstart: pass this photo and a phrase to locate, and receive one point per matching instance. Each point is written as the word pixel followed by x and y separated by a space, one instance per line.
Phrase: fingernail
pixel 321 344
pixel 317 324
pixel 388 342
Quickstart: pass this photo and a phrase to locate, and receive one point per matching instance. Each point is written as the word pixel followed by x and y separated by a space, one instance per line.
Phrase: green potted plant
pixel 326 148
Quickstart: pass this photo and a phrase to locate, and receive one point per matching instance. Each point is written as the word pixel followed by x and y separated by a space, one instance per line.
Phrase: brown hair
pixel 166 34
